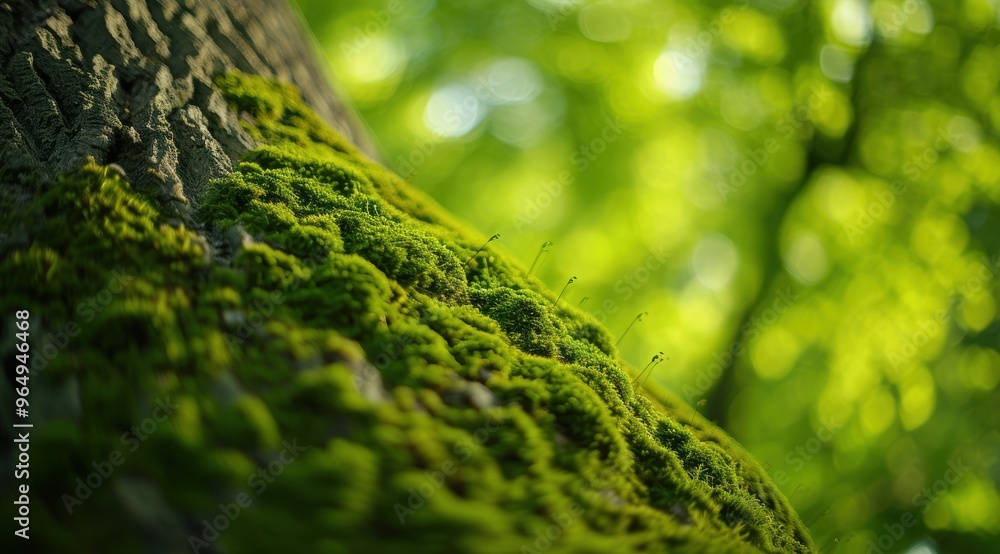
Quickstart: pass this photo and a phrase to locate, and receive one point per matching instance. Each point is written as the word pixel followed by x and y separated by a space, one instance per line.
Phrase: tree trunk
pixel 352 317
pixel 130 82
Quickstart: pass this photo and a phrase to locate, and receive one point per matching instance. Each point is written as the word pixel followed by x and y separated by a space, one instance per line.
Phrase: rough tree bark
pixel 130 82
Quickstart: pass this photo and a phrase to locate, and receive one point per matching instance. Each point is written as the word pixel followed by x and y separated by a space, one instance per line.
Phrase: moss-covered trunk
pixel 247 336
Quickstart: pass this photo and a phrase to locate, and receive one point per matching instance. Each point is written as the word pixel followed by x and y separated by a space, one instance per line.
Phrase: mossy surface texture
pixel 398 396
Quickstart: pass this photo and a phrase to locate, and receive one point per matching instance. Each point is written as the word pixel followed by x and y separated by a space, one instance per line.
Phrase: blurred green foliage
pixel 801 194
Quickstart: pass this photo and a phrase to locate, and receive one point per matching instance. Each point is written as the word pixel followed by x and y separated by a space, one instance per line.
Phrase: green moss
pixel 443 406
pixel 523 317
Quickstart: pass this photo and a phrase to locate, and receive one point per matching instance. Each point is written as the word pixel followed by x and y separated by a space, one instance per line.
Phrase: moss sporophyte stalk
pixel 345 318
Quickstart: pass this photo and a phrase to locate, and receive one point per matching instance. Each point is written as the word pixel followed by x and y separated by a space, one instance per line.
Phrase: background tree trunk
pixel 130 82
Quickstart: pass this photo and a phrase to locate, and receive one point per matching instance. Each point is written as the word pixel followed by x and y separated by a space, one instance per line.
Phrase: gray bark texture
pixel 130 82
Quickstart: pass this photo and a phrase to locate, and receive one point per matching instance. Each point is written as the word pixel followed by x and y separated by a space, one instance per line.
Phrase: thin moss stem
pixel 637 318
pixel 545 248
pixel 563 291
pixel 493 238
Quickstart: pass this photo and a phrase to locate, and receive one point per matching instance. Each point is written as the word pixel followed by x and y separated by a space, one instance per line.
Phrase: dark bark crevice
pixel 839 152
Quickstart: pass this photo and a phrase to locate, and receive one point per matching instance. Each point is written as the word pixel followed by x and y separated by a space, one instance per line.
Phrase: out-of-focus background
pixel 801 195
